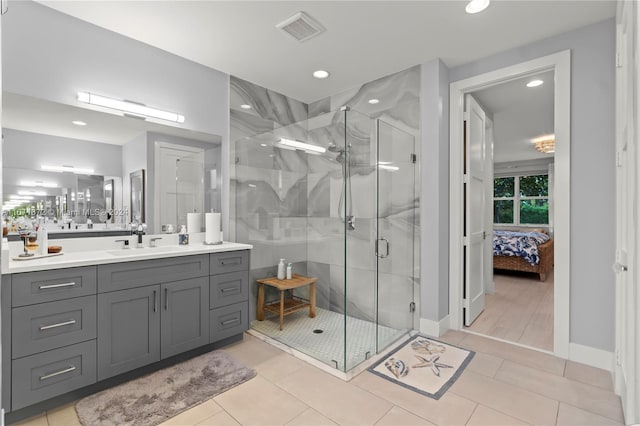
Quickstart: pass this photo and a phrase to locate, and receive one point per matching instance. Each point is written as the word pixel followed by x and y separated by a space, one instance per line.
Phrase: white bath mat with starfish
pixel 424 365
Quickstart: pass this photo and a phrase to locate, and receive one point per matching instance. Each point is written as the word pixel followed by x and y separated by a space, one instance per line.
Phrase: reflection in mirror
pixel 103 151
pixel 136 180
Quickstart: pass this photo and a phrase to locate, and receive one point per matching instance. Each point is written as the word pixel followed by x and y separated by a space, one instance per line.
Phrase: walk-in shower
pixel 340 205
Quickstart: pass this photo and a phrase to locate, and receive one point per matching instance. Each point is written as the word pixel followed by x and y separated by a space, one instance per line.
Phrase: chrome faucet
pixel 152 241
pixel 140 232
pixel 125 243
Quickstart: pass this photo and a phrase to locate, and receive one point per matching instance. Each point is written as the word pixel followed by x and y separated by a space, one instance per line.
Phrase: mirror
pixel 136 180
pixel 97 162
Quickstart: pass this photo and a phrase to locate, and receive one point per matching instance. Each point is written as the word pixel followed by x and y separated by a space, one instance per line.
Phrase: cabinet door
pixel 185 315
pixel 128 330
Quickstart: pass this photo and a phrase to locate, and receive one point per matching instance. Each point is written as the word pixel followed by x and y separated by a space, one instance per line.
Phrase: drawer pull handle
pixel 155 302
pixel 233 262
pixel 231 321
pixel 60 324
pixel 224 290
pixel 45 287
pixel 57 373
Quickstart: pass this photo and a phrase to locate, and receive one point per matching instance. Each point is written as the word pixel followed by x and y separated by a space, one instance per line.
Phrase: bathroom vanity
pixel 75 321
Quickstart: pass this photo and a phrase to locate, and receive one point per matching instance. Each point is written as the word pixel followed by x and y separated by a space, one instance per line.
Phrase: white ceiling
pixel 519 114
pixel 365 40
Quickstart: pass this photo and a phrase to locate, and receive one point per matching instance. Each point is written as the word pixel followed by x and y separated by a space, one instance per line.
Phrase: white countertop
pixel 104 250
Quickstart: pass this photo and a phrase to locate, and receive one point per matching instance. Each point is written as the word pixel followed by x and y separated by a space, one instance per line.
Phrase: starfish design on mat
pixel 427 348
pixel 432 363
pixel 397 367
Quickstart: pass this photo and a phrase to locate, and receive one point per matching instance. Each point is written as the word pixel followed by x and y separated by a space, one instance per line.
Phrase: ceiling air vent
pixel 301 26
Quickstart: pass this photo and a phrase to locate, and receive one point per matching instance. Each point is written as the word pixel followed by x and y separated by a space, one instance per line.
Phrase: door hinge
pixel 465 303
pixel 414 158
pixel 465 178
pixel 618 60
pixel 618 158
pixel 412 307
pixel 617 357
pixel 465 241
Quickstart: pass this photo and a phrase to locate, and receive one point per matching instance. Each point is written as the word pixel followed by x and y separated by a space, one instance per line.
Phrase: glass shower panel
pixel 395 251
pixel 189 186
pixel 359 231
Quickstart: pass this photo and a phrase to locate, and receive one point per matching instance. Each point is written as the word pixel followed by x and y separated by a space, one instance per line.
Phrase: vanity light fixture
pixel 39 183
pixel 373 101
pixel 302 145
pixel 33 193
pixel 475 6
pixel 535 83
pixel 21 197
pixel 321 74
pixel 76 170
pixel 133 108
pixel 79 123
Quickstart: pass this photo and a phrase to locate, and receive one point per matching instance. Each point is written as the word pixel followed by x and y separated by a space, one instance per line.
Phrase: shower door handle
pixel 378 253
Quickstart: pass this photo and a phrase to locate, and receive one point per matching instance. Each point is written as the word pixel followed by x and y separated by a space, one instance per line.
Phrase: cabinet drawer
pixel 122 276
pixel 228 321
pixel 230 261
pixel 226 289
pixel 46 286
pixel 38 328
pixel 45 375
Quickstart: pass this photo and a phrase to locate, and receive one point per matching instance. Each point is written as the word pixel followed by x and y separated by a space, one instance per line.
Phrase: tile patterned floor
pixel 328 346
pixel 520 310
pixel 503 385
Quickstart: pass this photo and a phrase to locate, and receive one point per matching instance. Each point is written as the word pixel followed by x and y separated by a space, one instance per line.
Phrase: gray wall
pixel 26 150
pixel 434 176
pixel 592 171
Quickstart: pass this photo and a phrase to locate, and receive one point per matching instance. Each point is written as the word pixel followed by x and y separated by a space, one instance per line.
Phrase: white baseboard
pixel 434 328
pixel 591 356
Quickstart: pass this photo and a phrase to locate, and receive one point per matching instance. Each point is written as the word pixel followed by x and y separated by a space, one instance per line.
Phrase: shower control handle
pixel 388 246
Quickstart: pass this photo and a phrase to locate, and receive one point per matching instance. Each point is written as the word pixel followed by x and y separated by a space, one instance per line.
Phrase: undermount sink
pixel 145 250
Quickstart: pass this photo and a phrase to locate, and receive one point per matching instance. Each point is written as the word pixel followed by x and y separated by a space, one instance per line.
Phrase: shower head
pixel 340 157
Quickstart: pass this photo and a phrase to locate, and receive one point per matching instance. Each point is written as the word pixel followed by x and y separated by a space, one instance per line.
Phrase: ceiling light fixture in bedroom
pixel 545 144
pixel 535 83
pixel 475 6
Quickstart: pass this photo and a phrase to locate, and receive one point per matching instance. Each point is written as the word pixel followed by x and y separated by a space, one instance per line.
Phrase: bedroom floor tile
pixel 569 415
pixel 589 375
pixel 397 416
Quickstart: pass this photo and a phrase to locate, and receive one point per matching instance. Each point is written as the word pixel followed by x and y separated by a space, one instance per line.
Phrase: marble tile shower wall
pixel 286 202
pixel 399 106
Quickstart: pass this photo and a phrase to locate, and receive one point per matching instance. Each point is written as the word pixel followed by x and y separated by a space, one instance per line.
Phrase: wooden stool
pixel 291 304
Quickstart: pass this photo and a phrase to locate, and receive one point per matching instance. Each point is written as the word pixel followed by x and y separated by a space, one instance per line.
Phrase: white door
pixel 170 194
pixel 627 370
pixel 475 210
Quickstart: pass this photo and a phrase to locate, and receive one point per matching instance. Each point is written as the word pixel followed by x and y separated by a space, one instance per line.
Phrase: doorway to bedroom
pixel 513 189
pixel 519 139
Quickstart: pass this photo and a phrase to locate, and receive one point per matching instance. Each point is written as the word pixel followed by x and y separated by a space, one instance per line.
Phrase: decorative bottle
pixel 289 271
pixel 281 270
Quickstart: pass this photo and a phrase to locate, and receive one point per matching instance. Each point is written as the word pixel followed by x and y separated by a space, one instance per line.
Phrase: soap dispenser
pixel 281 271
pixel 289 271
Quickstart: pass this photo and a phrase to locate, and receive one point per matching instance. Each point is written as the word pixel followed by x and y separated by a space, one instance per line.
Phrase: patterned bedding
pixel 523 244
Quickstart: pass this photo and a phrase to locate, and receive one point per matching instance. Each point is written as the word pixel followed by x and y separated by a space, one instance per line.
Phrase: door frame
pixel 561 63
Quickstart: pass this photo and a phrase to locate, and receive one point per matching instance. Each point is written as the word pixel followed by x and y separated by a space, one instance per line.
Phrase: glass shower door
pixel 396 266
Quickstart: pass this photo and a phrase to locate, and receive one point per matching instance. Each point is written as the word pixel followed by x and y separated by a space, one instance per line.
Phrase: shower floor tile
pixel 328 346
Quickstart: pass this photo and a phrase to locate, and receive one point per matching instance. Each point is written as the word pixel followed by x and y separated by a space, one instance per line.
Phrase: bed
pixel 523 251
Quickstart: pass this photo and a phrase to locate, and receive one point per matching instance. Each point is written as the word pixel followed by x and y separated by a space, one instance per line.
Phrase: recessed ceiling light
pixel 475 6
pixel 79 123
pixel 321 74
pixel 373 101
pixel 263 144
pixel 535 83
pixel 245 106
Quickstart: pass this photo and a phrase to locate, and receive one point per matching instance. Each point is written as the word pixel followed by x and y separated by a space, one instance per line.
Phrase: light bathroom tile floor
pixel 506 385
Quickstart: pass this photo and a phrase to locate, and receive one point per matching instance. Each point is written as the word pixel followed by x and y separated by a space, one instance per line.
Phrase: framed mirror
pixel 137 196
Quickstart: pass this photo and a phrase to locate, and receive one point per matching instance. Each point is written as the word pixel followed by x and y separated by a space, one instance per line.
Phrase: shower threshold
pixel 320 340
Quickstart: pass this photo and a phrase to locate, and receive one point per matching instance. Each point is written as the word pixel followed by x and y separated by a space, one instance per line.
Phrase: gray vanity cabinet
pixel 128 330
pixel 185 316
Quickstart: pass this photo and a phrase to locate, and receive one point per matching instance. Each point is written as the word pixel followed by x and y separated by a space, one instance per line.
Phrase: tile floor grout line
pixel 557 413
pixel 498 410
pixel 385 413
pixel 596 414
pixel 472 413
